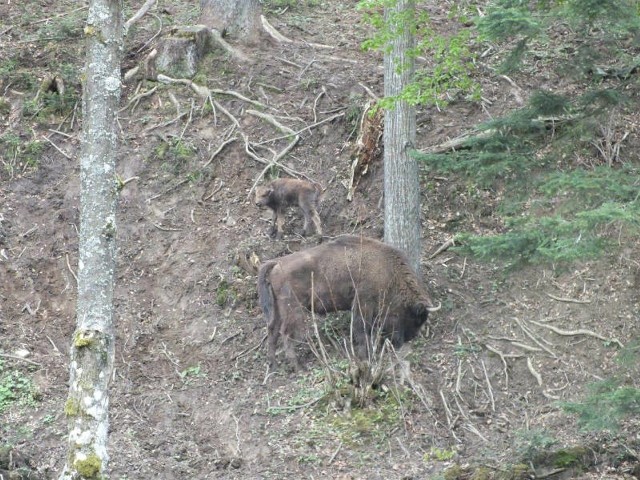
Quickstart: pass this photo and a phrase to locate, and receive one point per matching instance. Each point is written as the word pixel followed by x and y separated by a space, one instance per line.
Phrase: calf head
pixel 263 195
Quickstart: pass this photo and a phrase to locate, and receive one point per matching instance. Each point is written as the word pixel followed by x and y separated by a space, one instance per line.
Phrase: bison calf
pixel 366 276
pixel 285 192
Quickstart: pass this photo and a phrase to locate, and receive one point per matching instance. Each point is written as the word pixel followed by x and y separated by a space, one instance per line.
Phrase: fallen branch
pixel 130 179
pixel 250 349
pixel 455 143
pixel 581 331
pixel 447 410
pixel 486 376
pixel 154 36
pixel 16 357
pixel 449 243
pixel 569 300
pixel 185 180
pixel 138 15
pixel 67 156
pixel 166 229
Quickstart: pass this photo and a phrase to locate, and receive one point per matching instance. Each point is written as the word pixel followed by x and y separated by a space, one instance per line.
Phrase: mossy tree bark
pixel 401 182
pixel 92 349
pixel 239 19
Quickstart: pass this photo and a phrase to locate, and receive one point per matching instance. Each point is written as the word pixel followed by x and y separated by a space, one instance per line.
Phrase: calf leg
pixel 311 216
pixel 278 220
pixel 316 222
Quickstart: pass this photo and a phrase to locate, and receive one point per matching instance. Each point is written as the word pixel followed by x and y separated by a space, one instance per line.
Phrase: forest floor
pixel 190 397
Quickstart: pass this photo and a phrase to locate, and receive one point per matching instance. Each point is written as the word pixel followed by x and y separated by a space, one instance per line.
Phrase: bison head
pixel 262 196
pixel 421 308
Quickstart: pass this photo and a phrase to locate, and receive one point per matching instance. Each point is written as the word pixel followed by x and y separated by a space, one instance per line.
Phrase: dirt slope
pixel 189 397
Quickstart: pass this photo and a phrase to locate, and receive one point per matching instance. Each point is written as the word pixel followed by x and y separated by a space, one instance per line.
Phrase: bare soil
pixel 189 397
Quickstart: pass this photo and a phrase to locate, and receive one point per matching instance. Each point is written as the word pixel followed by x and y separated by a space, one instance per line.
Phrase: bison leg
pixel 273 331
pixel 311 216
pixel 316 222
pixel 289 332
pixel 359 328
pixel 278 221
pixel 290 352
pixel 273 229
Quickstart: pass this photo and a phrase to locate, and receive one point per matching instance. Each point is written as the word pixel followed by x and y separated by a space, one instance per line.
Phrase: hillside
pixel 190 397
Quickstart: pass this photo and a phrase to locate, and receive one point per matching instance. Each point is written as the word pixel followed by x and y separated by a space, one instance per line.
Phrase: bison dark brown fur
pixel 366 276
pixel 285 192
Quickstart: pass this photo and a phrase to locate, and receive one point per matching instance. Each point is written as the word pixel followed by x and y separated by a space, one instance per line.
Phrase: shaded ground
pixel 189 397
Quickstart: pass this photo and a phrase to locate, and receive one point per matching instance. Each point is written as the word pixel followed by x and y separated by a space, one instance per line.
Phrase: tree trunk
pixel 239 19
pixel 401 183
pixel 92 349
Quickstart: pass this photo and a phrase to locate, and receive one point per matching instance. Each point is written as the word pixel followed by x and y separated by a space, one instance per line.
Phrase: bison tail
pixel 265 292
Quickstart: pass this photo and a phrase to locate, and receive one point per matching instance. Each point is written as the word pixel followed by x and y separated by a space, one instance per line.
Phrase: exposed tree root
pixel 136 99
pixel 580 331
pixel 218 150
pixel 233 52
pixel 533 371
pixel 277 36
pixel 529 334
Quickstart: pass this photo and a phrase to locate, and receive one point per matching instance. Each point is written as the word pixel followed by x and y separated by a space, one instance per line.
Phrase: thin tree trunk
pixel 92 349
pixel 401 183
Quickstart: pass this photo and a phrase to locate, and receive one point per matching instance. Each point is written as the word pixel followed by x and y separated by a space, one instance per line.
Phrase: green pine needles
pixel 600 22
pixel 448 72
pixel 605 406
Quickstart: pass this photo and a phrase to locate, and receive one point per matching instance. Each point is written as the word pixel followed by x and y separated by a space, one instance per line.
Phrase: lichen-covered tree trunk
pixel 401 182
pixel 238 18
pixel 92 349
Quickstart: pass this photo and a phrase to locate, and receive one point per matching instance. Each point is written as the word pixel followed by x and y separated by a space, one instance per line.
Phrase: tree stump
pixel 180 51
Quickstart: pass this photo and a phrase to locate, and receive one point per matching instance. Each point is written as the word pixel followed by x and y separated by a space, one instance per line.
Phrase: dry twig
pixel 67 156
pixel 449 243
pixel 71 269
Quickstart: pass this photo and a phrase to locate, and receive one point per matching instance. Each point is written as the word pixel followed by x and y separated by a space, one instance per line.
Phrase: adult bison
pixel 366 276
